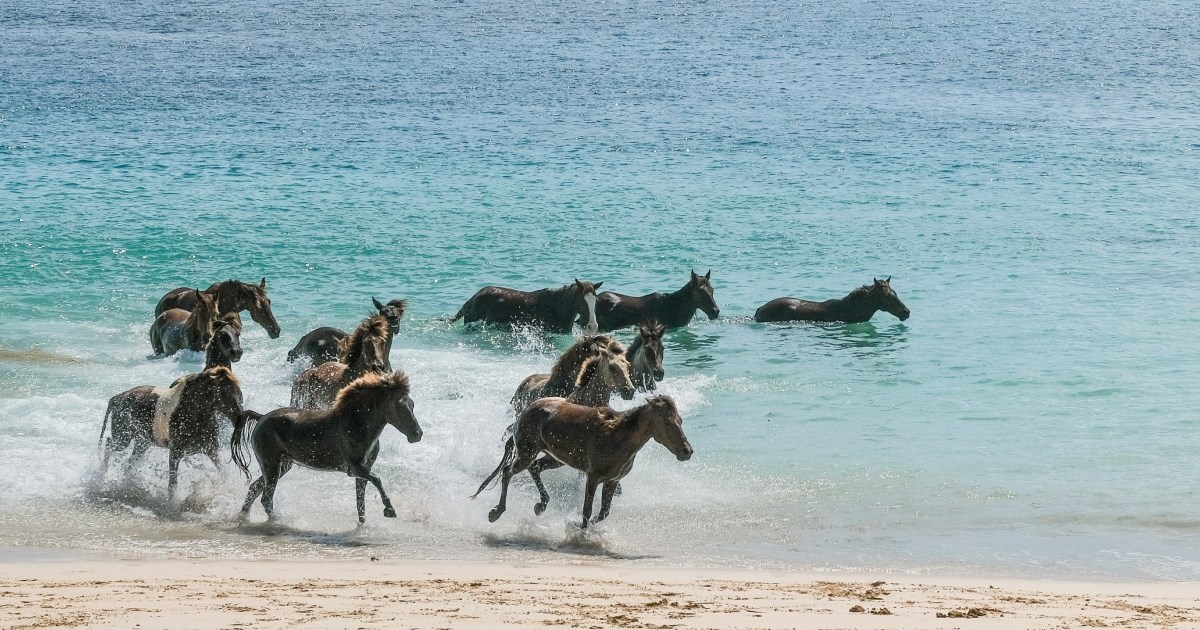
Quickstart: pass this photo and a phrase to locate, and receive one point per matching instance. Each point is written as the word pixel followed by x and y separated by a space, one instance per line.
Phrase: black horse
pixel 855 308
pixel 554 310
pixel 673 310
pixel 321 345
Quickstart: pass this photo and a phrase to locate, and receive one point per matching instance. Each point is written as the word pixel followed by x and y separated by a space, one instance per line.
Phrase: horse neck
pixel 368 423
pixel 595 392
pixel 557 302
pixel 632 430
pixel 857 306
pixel 191 328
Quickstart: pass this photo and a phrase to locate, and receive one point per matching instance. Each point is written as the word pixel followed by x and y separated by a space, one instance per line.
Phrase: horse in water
pixel 596 440
pixel 225 347
pixel 365 350
pixel 857 307
pixel 562 379
pixel 645 356
pixel 673 310
pixel 182 418
pixel 231 295
pixel 176 329
pixel 554 310
pixel 344 438
pixel 321 345
pixel 602 376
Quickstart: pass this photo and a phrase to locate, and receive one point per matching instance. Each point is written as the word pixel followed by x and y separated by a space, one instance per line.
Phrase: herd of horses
pixel 342 402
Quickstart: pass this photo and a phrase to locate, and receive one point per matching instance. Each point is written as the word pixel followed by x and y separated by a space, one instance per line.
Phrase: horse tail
pixel 510 451
pixel 237 443
pixel 459 315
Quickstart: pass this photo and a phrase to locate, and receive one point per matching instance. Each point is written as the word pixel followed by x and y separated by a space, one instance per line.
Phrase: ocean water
pixel 1027 173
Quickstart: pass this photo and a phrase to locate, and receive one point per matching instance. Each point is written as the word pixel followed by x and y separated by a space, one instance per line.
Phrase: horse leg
pixel 273 475
pixel 139 449
pixel 522 461
pixel 256 489
pixel 362 472
pixel 606 497
pixel 544 463
pixel 589 491
pixel 173 459
pixel 360 496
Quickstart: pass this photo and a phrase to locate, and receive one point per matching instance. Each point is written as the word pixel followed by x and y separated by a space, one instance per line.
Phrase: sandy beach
pixel 181 593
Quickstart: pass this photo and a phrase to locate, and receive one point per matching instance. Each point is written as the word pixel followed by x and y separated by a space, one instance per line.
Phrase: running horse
pixel 321 344
pixel 553 310
pixel 225 347
pixel 564 375
pixel 182 418
pixel 673 310
pixel 231 295
pixel 176 329
pixel 362 352
pixel 857 307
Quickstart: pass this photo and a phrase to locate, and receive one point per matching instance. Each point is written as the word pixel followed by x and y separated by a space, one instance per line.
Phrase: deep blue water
pixel 1026 173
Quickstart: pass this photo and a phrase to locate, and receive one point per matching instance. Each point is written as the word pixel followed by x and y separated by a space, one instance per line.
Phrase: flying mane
pixel 352 346
pixel 369 389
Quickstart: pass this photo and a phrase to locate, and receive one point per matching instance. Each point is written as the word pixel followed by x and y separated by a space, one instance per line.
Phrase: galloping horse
pixel 225 347
pixel 176 329
pixel 595 440
pixel 562 379
pixel 857 307
pixel 674 310
pixel 365 350
pixel 231 295
pixel 321 345
pixel 182 418
pixel 645 356
pixel 554 310
pixel 344 438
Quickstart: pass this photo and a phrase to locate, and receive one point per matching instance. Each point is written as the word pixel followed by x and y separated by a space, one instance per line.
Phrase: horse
pixel 231 295
pixel 600 377
pixel 365 350
pixel 321 345
pixel 176 329
pixel 182 418
pixel 857 307
pixel 225 347
pixel 596 440
pixel 343 438
pixel 564 374
pixel 645 356
pixel 674 310
pixel 554 310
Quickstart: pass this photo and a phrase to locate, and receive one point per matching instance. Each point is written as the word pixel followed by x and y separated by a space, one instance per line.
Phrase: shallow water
pixel 1025 174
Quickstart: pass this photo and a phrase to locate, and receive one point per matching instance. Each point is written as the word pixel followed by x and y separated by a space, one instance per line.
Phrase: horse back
pixel 183 298
pixel 320 345
pixel 787 309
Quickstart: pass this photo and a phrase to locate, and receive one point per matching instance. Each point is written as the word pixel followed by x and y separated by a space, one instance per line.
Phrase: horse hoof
pixel 494 515
pixel 389 512
pixel 539 508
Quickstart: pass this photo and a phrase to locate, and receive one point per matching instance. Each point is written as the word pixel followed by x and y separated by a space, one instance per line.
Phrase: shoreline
pixel 99 592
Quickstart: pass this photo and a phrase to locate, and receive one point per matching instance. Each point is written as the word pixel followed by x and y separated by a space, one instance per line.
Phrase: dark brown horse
pixel 855 308
pixel 343 439
pixel 183 418
pixel 602 376
pixel 554 310
pixel 674 310
pixel 364 351
pixel 645 356
pixel 595 440
pixel 176 329
pixel 231 295
pixel 225 347
pixel 321 345
pixel 562 379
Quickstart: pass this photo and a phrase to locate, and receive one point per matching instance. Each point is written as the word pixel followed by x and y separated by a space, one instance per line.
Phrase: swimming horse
pixel 553 310
pixel 857 307
pixel 673 310
pixel 176 329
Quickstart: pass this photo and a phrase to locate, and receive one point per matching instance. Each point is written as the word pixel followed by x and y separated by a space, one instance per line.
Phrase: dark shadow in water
pixel 578 543
pixel 267 529
pixel 128 495
pixel 840 336
pixel 697 350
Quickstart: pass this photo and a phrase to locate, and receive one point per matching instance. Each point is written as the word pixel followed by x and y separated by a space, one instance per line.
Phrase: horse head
pixel 612 370
pixel 254 297
pixel 204 316
pixel 701 292
pixel 400 413
pixel 667 426
pixel 650 348
pixel 885 299
pixel 584 296
pixel 227 336
pixel 366 348
pixel 393 311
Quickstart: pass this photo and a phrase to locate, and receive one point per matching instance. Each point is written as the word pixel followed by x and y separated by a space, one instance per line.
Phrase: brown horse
pixel 321 345
pixel 563 376
pixel 595 440
pixel 857 307
pixel 176 329
pixel 231 295
pixel 674 310
pixel 182 418
pixel 344 438
pixel 554 310
pixel 364 351
pixel 225 347
pixel 645 356
pixel 602 376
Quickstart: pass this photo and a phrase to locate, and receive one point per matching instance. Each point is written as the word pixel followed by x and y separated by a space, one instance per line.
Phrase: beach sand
pixel 184 593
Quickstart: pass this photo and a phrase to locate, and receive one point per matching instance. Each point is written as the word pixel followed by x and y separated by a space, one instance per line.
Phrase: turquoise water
pixel 1026 174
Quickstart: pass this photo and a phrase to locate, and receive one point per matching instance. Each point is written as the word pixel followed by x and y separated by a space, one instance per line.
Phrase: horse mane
pixel 400 305
pixel 860 292
pixel 587 371
pixel 370 389
pixel 223 372
pixel 232 318
pixel 351 348
pixel 568 365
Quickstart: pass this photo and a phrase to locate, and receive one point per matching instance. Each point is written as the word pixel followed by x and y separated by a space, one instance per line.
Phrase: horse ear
pixel 708 276
pixel 263 283
pixel 694 276
pixel 597 285
pixel 378 306
pixel 889 279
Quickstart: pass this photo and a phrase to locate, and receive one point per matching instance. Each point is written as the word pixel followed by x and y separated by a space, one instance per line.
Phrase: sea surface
pixel 1027 173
